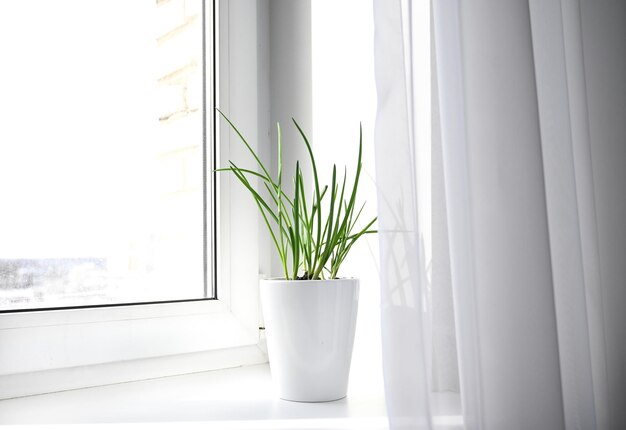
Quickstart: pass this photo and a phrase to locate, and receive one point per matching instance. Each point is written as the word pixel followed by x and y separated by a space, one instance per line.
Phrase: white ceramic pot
pixel 310 329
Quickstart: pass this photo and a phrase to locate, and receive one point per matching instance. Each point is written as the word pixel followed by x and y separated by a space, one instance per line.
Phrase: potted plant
pixel 310 312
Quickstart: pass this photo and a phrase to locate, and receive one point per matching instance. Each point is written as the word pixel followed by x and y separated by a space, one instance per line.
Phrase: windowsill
pixel 240 398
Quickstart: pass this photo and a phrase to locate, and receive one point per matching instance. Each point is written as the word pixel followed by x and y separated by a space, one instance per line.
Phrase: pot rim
pixel 308 281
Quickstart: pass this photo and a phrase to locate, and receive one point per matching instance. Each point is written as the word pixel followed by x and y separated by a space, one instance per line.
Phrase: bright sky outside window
pixel 101 152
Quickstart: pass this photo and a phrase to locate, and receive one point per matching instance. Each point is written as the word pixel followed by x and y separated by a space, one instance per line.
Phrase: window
pixel 45 349
pixel 103 153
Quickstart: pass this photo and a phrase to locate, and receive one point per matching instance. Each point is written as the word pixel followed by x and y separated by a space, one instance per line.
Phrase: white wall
pixel 289 31
pixel 344 95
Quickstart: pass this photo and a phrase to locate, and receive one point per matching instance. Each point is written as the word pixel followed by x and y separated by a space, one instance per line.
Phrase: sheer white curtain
pixel 532 112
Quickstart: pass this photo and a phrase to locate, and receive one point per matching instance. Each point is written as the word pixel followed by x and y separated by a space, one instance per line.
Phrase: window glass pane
pixel 101 152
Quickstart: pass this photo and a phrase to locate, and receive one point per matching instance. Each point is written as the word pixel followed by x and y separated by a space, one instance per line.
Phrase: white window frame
pixel 46 351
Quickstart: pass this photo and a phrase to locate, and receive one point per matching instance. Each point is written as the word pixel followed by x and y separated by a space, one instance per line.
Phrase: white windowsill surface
pixel 240 398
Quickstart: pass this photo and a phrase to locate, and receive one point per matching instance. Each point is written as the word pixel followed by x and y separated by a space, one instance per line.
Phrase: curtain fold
pixel 403 272
pixel 537 340
pixel 567 160
pixel 448 57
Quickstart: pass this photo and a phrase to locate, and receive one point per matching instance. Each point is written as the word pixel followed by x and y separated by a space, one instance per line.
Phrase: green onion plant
pixel 312 238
